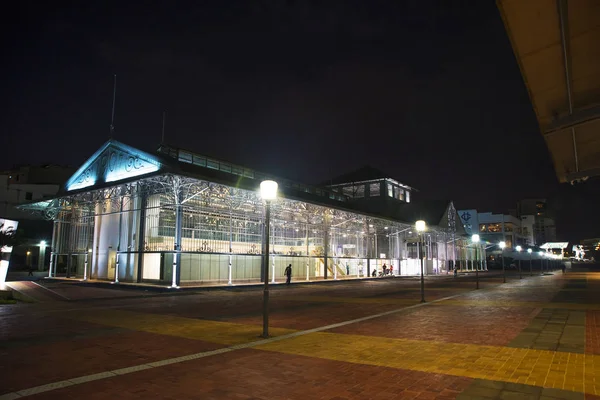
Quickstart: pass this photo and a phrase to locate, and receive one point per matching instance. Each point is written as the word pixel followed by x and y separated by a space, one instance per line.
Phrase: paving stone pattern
pixel 534 338
pixel 554 329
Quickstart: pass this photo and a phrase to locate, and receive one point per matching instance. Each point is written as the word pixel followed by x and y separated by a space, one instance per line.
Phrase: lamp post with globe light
pixel 502 245
pixel 42 255
pixel 541 253
pixel 268 192
pixel 475 239
pixel 519 248
pixel 421 227
pixel 530 269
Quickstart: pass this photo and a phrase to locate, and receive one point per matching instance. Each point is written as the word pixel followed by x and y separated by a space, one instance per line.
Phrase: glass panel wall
pixel 219 232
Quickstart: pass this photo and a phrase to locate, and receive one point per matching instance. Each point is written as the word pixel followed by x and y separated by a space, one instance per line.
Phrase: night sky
pixel 428 91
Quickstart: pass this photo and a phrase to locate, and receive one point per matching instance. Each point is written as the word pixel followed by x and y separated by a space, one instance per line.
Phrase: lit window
pixel 201 161
pixel 390 190
pixel 374 189
pixel 407 196
pixel 494 228
pixel 359 191
pixel 212 164
pixel 225 167
pixel 185 157
pixel 400 193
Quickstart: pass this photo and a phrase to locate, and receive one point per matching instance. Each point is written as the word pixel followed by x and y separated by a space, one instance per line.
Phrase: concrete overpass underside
pixel 557 46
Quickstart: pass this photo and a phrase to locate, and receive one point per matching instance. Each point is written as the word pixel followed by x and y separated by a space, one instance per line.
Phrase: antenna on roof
pixel 162 138
pixel 112 118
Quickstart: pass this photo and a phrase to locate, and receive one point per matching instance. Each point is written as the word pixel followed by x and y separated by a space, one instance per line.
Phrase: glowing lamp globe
pixel 268 190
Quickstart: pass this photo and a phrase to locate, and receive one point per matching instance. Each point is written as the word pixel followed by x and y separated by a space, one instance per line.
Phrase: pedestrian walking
pixel 288 274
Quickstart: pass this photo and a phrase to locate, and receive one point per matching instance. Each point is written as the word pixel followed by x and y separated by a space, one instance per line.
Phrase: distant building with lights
pixel 494 228
pixel 528 225
pixel 181 218
pixel 24 184
pixel 544 226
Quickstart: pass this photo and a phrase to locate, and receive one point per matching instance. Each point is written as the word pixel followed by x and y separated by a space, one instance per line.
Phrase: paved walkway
pixel 533 338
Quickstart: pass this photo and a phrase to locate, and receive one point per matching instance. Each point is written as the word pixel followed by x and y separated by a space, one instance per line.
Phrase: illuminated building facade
pixel 178 218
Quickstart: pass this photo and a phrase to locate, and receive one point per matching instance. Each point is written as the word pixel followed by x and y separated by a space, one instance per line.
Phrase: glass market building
pixel 179 218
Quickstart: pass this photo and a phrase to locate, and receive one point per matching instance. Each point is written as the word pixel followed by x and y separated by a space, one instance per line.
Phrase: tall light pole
pixel 530 269
pixel 475 240
pixel 42 255
pixel 519 248
pixel 268 192
pixel 421 227
pixel 502 245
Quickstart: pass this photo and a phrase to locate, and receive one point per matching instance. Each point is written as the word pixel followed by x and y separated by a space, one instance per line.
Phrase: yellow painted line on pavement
pixel 474 302
pixel 569 371
pixel 533 304
pixel 226 333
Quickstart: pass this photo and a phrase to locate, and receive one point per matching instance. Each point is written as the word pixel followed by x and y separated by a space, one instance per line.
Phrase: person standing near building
pixel 288 274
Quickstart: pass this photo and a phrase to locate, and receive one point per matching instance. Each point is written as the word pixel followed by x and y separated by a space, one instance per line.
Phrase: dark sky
pixel 428 91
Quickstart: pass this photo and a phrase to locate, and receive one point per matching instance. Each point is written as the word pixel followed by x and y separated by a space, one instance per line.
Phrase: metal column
pixel 142 236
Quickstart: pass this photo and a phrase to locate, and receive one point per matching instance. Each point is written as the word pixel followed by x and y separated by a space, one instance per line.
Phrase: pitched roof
pixel 431 211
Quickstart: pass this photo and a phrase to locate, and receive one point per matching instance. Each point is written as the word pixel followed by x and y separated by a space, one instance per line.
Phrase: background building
pixel 528 229
pixel 493 228
pixel 544 226
pixel 26 184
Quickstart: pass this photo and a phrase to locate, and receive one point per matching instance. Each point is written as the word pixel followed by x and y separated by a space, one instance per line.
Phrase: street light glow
pixel 502 245
pixel 475 238
pixel 420 226
pixel 43 243
pixel 518 248
pixel 268 190
pixel 529 251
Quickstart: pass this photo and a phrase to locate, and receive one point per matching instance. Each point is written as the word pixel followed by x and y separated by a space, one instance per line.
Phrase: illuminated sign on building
pixel 112 163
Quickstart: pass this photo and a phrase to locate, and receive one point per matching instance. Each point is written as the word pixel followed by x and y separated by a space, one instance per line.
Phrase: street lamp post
pixel 519 248
pixel 268 192
pixel 541 253
pixel 421 227
pixel 502 245
pixel 42 255
pixel 530 269
pixel 85 264
pixel 475 240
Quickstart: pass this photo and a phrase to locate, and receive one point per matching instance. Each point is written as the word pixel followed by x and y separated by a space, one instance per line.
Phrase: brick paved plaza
pixel 533 338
